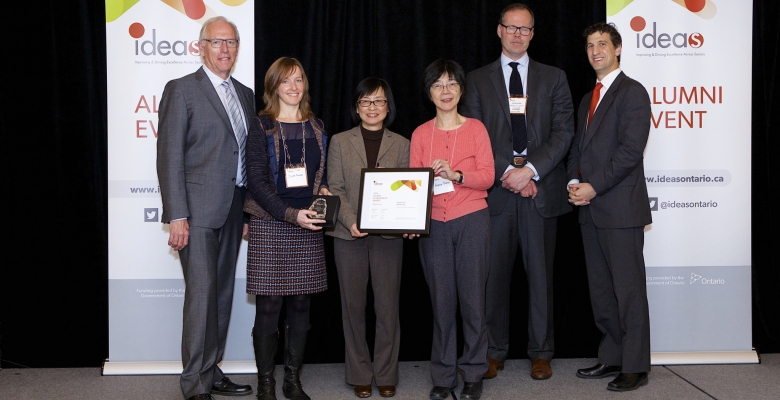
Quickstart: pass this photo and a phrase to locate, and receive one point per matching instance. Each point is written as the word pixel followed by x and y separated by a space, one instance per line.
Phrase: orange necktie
pixel 594 100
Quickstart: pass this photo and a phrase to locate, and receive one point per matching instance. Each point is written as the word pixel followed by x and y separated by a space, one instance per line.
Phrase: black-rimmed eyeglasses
pixel 218 42
pixel 366 103
pixel 511 29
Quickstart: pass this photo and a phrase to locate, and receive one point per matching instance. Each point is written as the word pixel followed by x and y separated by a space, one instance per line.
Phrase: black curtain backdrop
pixel 53 282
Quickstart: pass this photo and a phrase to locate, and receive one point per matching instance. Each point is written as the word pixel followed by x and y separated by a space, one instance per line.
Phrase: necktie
pixel 594 100
pixel 234 112
pixel 519 130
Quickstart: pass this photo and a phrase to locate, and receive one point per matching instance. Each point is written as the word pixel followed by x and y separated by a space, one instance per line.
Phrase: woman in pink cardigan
pixel 455 254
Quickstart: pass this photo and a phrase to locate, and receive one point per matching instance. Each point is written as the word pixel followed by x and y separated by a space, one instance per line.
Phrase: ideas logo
pixel 664 40
pixel 162 47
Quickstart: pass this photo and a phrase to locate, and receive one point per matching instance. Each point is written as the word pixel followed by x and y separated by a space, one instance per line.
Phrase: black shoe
pixel 627 382
pixel 203 396
pixel 471 391
pixel 226 387
pixel 598 371
pixel 439 393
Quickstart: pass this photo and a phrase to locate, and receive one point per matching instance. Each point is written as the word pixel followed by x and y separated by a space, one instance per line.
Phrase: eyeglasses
pixel 367 103
pixel 449 86
pixel 218 42
pixel 511 29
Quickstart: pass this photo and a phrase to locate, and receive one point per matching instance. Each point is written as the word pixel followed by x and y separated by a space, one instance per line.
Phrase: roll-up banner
pixel 694 57
pixel 148 43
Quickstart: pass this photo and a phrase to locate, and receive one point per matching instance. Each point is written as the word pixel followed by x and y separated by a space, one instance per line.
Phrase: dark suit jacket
pixel 610 153
pixel 346 157
pixel 197 151
pixel 550 122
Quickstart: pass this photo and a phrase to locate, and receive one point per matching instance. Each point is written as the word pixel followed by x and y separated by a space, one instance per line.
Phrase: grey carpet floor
pixel 326 381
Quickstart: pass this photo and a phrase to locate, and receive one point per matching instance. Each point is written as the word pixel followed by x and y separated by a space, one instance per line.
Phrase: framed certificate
pixel 395 200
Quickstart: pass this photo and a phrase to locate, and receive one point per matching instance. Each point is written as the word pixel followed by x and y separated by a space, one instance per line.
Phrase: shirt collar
pixel 215 80
pixel 607 81
pixel 523 61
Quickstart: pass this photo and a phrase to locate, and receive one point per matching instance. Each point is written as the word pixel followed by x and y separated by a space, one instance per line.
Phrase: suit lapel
pixel 387 143
pixel 356 139
pixel 601 110
pixel 531 90
pixel 211 94
pixel 497 77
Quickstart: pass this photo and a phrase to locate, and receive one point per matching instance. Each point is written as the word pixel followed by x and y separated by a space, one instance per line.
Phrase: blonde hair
pixel 278 72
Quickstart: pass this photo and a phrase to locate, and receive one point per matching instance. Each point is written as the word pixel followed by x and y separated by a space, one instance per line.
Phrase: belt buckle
pixel 519 161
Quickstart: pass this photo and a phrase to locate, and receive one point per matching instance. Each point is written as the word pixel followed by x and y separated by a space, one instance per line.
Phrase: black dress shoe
pixel 439 393
pixel 203 396
pixel 471 391
pixel 226 387
pixel 598 371
pixel 626 382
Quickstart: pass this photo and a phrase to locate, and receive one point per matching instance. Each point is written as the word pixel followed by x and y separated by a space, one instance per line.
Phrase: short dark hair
pixel 603 27
pixel 367 87
pixel 517 6
pixel 436 69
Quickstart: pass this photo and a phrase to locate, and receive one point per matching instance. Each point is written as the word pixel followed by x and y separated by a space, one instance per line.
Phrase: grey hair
pixel 208 23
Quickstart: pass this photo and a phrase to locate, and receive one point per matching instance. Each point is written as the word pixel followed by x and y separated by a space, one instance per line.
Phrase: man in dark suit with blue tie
pixel 608 184
pixel 527 109
pixel 200 166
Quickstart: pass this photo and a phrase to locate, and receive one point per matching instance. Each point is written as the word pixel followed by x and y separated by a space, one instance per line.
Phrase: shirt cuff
pixel 536 174
pixel 573 181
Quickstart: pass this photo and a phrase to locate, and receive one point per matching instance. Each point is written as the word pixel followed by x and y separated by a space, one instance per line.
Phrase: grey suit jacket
pixel 550 122
pixel 346 157
pixel 197 151
pixel 610 152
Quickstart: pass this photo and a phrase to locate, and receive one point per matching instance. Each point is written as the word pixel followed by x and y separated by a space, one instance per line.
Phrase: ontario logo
pixel 154 47
pixel 664 40
pixel 696 278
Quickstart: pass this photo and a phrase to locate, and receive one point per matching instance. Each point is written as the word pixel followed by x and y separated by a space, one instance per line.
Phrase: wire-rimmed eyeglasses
pixel 218 42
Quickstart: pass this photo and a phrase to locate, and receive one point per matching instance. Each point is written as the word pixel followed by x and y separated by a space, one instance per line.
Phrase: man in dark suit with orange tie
pixel 608 184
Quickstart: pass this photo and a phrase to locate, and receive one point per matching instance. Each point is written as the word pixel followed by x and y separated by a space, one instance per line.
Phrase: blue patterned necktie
pixel 234 112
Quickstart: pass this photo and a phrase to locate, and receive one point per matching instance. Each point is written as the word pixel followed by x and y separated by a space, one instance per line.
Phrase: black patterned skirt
pixel 284 260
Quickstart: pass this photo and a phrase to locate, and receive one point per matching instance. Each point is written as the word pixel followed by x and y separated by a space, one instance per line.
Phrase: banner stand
pixel 704 357
pixel 171 367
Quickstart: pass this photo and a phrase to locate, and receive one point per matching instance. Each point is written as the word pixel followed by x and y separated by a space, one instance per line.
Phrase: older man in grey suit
pixel 527 109
pixel 200 166
pixel 608 183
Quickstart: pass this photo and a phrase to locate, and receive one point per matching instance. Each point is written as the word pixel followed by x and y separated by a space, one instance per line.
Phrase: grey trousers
pixel 209 264
pixel 455 260
pixel 356 260
pixel 521 226
pixel 618 294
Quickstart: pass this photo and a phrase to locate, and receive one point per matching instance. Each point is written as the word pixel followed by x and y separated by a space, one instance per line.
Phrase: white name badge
pixel 295 176
pixel 441 185
pixel 517 104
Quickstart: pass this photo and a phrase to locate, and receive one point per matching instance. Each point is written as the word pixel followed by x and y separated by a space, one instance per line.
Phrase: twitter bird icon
pixel 150 215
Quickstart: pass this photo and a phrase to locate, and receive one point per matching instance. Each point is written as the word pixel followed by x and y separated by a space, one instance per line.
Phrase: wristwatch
pixel 460 180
